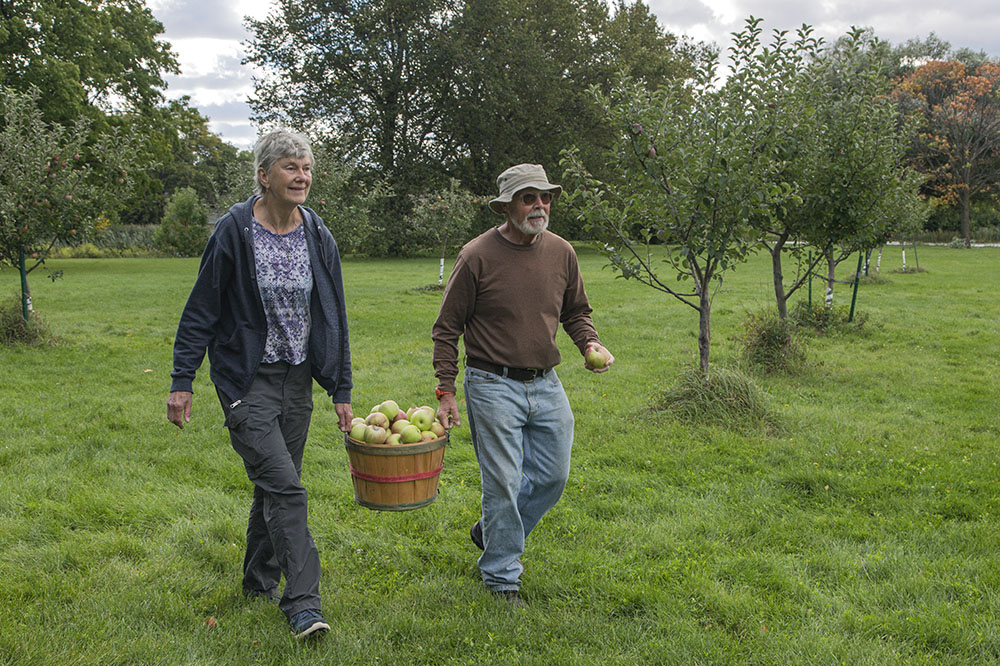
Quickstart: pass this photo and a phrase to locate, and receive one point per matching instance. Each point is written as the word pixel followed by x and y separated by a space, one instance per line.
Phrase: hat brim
pixel 495 204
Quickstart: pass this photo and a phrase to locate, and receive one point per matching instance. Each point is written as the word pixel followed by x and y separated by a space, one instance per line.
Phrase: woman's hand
pixel 179 408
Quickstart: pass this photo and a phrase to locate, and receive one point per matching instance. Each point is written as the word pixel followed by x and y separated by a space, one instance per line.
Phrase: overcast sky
pixel 206 35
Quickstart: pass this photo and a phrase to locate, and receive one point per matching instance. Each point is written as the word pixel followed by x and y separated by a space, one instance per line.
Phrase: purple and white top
pixel 284 277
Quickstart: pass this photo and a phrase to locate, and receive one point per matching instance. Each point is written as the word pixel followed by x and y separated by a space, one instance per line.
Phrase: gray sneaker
pixel 308 623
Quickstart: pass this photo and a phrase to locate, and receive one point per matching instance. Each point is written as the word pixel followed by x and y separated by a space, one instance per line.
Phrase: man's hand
pixel 448 411
pixel 179 408
pixel 593 346
pixel 344 415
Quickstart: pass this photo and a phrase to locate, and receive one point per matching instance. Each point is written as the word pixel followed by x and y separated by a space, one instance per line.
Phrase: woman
pixel 268 306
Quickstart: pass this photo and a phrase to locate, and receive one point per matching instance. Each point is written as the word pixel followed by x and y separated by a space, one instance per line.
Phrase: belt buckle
pixel 533 374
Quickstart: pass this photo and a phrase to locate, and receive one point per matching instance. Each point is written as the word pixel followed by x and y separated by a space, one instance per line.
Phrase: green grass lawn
pixel 863 529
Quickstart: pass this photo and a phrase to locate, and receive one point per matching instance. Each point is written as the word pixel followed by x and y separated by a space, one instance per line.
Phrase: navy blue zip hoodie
pixel 224 314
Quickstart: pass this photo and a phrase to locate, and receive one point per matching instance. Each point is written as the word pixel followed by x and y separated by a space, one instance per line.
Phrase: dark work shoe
pixel 512 597
pixel 477 535
pixel 308 623
pixel 271 596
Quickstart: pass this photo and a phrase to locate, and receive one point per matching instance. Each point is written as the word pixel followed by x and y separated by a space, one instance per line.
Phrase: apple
pixel 400 415
pixel 377 418
pixel 597 358
pixel 375 434
pixel 389 408
pixel 358 431
pixel 410 434
pixel 410 411
pixel 398 425
pixel 394 439
pixel 356 420
pixel 428 436
pixel 422 418
pixel 437 429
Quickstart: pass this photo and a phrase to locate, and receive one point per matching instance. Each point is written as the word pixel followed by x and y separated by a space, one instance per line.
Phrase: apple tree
pixel 841 147
pixel 56 181
pixel 444 217
pixel 695 164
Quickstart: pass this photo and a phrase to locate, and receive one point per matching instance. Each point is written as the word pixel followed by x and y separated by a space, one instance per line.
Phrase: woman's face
pixel 289 179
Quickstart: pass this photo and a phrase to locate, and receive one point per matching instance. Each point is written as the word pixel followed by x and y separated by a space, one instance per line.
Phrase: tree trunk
pixel 831 269
pixel 26 308
pixel 779 278
pixel 878 262
pixel 444 244
pixel 704 329
pixel 966 225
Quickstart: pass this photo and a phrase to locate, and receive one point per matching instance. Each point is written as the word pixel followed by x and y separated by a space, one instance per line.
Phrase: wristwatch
pixel 438 393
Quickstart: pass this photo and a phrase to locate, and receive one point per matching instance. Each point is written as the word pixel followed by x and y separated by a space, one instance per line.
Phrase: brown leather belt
pixel 520 374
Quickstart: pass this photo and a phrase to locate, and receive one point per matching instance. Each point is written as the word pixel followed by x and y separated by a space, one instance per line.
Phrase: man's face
pixel 528 211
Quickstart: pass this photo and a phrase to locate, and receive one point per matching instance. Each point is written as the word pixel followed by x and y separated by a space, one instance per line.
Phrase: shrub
pixel 184 230
pixel 769 343
pixel 723 397
pixel 15 329
pixel 958 243
pixel 826 320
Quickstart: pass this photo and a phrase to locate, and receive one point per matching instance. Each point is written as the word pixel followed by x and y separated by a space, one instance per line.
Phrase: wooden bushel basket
pixel 395 478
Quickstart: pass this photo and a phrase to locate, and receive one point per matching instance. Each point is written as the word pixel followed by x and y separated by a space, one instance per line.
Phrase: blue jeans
pixel 522 433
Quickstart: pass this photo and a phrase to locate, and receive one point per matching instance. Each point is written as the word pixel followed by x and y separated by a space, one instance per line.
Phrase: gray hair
pixel 274 146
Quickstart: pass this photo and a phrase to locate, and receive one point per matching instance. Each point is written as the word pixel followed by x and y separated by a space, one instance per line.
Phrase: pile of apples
pixel 388 424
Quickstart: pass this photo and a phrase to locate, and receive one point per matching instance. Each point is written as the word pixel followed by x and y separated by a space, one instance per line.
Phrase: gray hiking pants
pixel 268 428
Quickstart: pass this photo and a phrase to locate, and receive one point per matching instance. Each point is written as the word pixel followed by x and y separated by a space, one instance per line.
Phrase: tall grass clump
pixel 770 344
pixel 15 329
pixel 822 319
pixel 724 397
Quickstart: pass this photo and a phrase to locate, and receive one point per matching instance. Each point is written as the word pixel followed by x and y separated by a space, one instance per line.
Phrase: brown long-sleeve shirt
pixel 508 300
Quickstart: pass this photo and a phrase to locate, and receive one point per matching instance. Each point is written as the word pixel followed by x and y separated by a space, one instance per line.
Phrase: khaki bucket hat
pixel 519 177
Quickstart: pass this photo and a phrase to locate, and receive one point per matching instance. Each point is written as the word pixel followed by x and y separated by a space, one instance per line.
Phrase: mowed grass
pixel 861 529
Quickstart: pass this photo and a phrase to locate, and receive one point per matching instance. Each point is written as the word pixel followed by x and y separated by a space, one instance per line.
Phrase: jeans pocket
pixel 477 376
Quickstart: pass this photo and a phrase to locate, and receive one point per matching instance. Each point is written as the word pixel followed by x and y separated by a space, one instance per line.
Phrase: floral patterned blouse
pixel 284 277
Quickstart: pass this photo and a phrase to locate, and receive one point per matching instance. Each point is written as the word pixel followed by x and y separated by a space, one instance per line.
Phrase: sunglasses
pixel 528 198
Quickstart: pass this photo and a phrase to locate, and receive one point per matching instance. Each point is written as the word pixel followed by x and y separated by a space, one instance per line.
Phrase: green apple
pixel 389 408
pixel 358 431
pixel 597 358
pixel 377 418
pixel 398 425
pixel 437 429
pixel 410 434
pixel 356 420
pixel 375 434
pixel 428 436
pixel 423 418
pixel 394 439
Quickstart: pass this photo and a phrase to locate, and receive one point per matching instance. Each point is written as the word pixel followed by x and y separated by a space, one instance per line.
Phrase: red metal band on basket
pixel 395 479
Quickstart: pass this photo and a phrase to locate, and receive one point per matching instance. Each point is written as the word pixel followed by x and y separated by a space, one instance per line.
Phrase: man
pixel 508 292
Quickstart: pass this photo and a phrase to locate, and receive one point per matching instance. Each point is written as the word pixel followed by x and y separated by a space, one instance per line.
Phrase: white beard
pixel 532 225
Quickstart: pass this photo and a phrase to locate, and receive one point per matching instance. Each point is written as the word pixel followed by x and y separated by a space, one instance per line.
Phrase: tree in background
pixel 364 73
pixel 444 217
pixel 89 57
pixel 181 151
pixel 841 150
pixel 695 163
pixel 184 230
pixel 957 143
pixel 345 200
pixel 56 181
pixel 422 91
